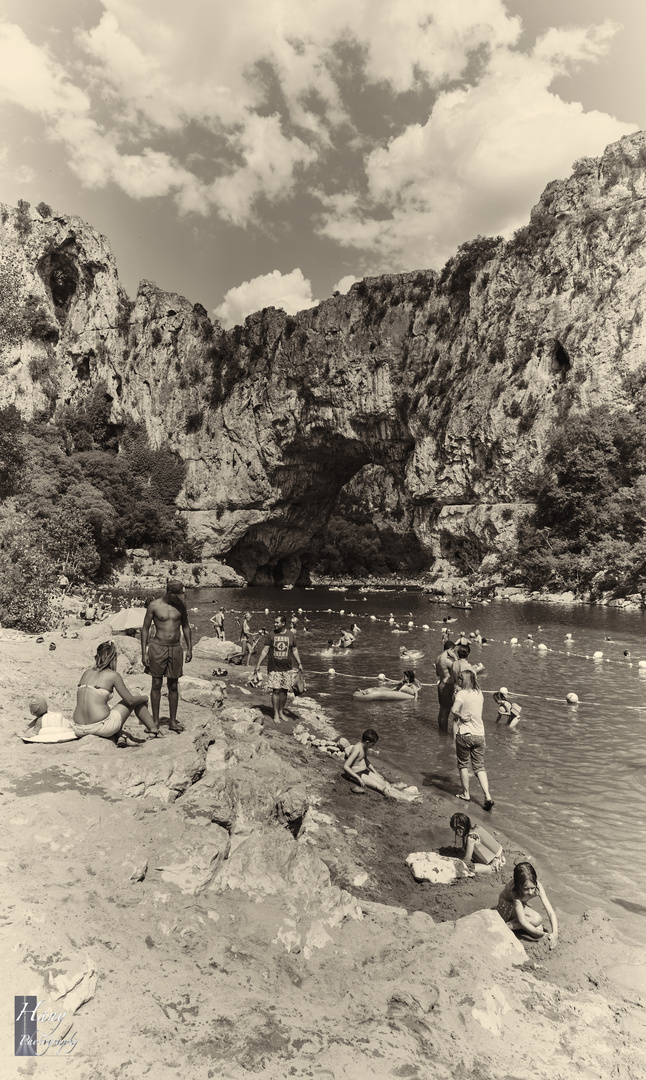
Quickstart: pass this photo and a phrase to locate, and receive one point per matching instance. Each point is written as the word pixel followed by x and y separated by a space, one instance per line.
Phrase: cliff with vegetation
pixel 452 385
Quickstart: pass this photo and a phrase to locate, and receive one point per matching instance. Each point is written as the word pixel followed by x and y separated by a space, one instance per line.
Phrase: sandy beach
pixel 221 904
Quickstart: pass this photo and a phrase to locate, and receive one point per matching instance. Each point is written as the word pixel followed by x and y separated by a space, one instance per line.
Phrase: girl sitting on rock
pixel 93 715
pixel 480 849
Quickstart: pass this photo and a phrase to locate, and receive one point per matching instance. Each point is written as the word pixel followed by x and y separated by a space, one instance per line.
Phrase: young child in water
pixel 358 768
pixel 479 848
pixel 513 901
pixel 509 711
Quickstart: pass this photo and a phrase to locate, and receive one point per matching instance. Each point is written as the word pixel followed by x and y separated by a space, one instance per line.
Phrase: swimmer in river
pixel 357 768
pixel 513 901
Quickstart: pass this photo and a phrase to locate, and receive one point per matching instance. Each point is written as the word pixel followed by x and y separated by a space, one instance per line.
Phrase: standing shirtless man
pixel 162 654
pixel 445 685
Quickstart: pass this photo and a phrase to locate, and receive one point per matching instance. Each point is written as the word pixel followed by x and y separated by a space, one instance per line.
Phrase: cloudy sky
pixel 265 152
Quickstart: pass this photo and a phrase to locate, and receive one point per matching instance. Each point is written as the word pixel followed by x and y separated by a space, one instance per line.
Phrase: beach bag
pixel 299 684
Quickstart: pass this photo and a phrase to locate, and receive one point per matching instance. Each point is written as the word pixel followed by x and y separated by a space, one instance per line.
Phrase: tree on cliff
pixel 589 525
pixel 12 454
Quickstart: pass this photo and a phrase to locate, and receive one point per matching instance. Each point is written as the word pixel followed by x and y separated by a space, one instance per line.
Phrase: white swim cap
pixel 503 690
pixel 542 648
pixel 572 699
pixel 426 627
pixel 373 618
pixel 331 671
pixel 411 624
pixel 513 641
pixel 342 611
pixel 381 675
pixel 642 663
pixel 598 655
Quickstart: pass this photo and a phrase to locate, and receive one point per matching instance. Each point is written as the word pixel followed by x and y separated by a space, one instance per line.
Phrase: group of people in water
pixel 460 702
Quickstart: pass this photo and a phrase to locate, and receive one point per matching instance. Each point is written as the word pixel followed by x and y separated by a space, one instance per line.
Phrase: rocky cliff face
pixel 449 381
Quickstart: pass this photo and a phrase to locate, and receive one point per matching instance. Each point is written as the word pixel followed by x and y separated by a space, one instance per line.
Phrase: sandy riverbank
pixel 219 904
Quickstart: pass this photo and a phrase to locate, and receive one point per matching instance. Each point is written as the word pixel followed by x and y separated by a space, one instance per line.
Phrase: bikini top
pixel 97 689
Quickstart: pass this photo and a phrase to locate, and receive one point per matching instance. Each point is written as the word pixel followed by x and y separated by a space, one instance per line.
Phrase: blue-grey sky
pixel 266 152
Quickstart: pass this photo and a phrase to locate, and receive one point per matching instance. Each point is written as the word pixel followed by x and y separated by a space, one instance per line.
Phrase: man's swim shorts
pixel 165 660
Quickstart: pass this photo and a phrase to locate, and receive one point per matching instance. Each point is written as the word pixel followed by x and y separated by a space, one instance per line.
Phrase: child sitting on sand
pixel 513 901
pixel 479 848
pixel 358 768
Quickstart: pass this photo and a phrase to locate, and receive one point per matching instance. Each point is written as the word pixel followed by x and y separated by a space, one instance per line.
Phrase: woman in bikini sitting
pixel 93 715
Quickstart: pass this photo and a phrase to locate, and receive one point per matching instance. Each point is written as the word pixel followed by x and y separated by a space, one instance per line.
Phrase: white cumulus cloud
pixel 344 284
pixel 238 109
pixel 480 160
pixel 291 292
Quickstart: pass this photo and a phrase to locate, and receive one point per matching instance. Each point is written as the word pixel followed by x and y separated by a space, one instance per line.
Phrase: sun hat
pixel 56 728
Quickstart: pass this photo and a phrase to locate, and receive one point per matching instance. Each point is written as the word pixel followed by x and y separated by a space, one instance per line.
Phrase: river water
pixel 569 784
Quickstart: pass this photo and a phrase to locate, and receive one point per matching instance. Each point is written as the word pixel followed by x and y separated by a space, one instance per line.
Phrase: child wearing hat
pixel 508 710
pixel 47 727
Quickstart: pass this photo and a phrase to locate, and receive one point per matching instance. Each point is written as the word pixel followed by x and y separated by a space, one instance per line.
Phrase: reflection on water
pixel 568 782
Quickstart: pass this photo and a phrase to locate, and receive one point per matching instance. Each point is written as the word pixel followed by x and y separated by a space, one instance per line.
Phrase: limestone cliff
pixel 451 381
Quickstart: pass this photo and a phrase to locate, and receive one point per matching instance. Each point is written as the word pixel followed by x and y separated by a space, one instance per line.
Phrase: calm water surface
pixel 569 783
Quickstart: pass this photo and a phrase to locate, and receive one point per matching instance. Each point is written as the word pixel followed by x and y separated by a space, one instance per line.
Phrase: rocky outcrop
pixel 170 906
pixel 451 381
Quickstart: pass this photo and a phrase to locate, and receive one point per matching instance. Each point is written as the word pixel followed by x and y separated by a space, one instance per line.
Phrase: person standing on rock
pixel 443 666
pixel 218 623
pixel 162 655
pixel 281 651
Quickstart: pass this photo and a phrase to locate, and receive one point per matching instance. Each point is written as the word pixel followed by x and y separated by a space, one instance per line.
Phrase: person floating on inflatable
pixel 409 684
pixel 410 654
pixel 508 710
pixel 480 849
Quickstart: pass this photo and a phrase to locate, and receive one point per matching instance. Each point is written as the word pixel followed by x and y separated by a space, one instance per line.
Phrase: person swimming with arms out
pixel 513 905
pixel 479 848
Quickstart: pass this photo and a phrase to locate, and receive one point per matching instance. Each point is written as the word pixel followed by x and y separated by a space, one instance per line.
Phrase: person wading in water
pixel 162 655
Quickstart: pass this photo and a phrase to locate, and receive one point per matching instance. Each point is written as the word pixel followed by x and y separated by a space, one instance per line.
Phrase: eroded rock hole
pixel 60 275
pixel 82 369
pixel 562 358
